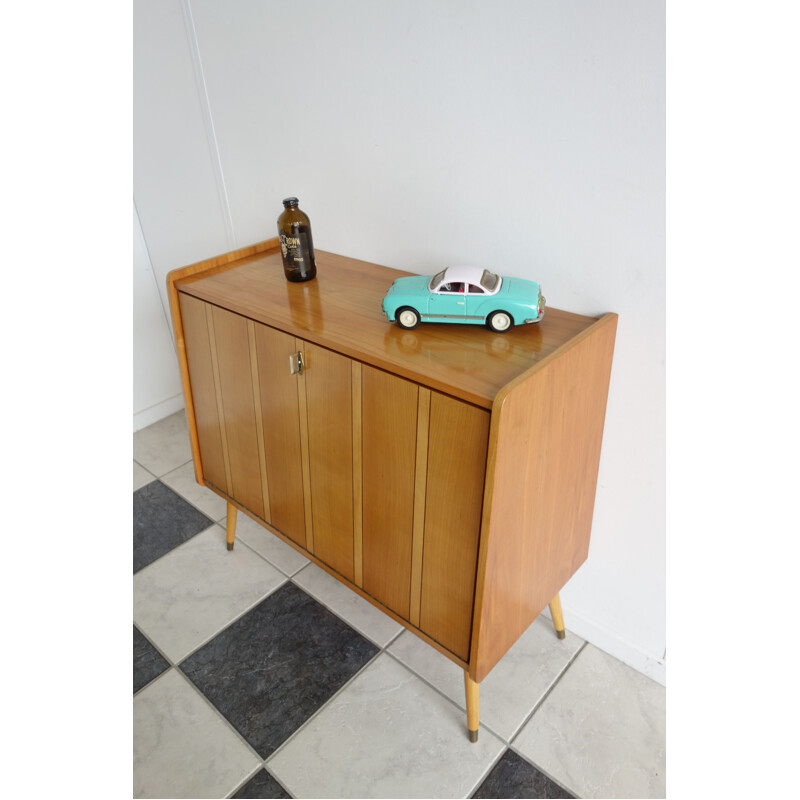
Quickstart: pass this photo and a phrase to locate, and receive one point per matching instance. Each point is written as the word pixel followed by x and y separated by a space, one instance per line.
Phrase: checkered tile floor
pixel 255 674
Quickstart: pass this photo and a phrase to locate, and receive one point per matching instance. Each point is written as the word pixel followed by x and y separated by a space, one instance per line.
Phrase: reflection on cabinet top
pixel 341 310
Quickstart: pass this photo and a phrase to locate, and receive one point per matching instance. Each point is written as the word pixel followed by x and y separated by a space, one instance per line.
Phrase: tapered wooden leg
pixel 472 690
pixel 558 617
pixel 230 528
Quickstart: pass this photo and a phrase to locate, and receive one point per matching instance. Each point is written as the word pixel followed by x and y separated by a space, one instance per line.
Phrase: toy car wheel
pixel 500 321
pixel 407 318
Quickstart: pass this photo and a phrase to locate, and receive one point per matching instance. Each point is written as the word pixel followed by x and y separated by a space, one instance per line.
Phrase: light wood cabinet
pixel 446 474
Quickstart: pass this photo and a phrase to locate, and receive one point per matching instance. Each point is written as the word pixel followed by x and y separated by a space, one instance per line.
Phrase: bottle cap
pixel 290 201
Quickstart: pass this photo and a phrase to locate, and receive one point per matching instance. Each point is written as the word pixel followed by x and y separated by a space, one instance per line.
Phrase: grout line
pixel 547 694
pixel 511 745
pixel 488 772
pixel 333 697
pixel 558 782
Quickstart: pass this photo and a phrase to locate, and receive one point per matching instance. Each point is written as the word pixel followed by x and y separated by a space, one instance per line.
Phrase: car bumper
pixel 532 320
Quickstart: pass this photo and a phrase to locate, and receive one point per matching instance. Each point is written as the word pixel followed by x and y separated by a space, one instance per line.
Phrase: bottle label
pixel 296 251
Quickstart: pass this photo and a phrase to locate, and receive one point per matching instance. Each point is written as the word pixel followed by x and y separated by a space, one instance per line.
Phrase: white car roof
pixel 463 273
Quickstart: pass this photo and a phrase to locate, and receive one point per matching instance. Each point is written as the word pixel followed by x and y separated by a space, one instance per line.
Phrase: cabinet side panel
pixel 236 385
pixel 542 476
pixel 457 444
pixel 281 426
pixel 327 377
pixel 389 424
pixel 201 380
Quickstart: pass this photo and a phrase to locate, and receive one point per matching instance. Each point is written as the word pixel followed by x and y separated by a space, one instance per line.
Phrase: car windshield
pixel 436 279
pixel 489 280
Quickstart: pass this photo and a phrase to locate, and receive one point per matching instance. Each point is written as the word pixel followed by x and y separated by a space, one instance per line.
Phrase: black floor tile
pixel 148 663
pixel 161 521
pixel 262 785
pixel 513 776
pixel 272 669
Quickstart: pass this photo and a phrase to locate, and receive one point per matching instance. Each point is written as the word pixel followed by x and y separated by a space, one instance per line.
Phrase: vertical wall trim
pixel 208 121
pixel 141 243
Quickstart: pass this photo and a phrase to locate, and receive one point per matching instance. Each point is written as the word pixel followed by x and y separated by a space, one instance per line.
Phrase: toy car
pixel 463 294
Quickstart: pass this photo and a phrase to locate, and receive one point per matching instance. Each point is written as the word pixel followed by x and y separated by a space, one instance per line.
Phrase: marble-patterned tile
pixel 513 776
pixel 164 445
pixel 262 785
pixel 141 476
pixel 183 482
pixel 269 671
pixel 189 595
pixel 181 746
pixel 601 731
pixel 513 688
pixel 148 663
pixel 255 536
pixel 161 521
pixel 387 734
pixel 344 602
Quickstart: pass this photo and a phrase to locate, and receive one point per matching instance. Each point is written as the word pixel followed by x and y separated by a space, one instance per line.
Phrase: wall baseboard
pixel 141 419
pixel 615 645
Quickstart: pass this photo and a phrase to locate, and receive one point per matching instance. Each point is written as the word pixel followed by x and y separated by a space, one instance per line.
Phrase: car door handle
pixel 459 302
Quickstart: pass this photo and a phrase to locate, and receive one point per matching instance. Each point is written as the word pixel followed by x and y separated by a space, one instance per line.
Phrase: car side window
pixel 473 289
pixel 451 288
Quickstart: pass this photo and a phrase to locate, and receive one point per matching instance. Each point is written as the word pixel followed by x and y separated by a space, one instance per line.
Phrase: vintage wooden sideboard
pixel 447 474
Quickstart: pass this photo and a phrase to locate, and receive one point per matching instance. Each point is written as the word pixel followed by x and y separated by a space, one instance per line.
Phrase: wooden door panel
pixel 389 429
pixel 281 429
pixel 236 387
pixel 457 444
pixel 204 396
pixel 328 391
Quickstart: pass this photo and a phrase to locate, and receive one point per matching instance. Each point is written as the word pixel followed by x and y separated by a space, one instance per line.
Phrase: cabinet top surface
pixel 341 310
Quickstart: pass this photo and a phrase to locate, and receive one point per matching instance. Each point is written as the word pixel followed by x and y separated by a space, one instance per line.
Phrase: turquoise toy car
pixel 467 295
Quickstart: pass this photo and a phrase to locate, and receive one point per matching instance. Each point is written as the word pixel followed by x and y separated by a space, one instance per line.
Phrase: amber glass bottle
pixel 297 248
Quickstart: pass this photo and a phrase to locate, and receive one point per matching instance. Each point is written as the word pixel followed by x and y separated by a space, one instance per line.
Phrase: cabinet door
pixel 326 393
pixel 218 357
pixel 231 341
pixel 389 430
pixel 458 438
pixel 194 314
pixel 280 424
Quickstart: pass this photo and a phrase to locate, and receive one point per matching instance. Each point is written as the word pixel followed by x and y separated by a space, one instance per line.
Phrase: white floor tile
pixel 141 477
pixel 387 734
pixel 183 481
pixel 513 688
pixel 164 445
pixel 191 593
pixel 354 610
pixel 181 746
pixel 601 731
pixel 256 536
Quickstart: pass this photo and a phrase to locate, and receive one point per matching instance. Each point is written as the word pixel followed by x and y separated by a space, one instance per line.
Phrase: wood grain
pixel 457 443
pixel 420 491
pixel 200 384
pixel 544 453
pixel 389 447
pixel 358 474
pixel 235 376
pixel 207 267
pixel 280 425
pixel 328 380
pixel 485 507
pixel 341 310
pixel 262 453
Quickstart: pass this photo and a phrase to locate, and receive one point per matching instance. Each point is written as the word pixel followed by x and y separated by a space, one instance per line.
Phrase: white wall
pixel 157 390
pixel 522 135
